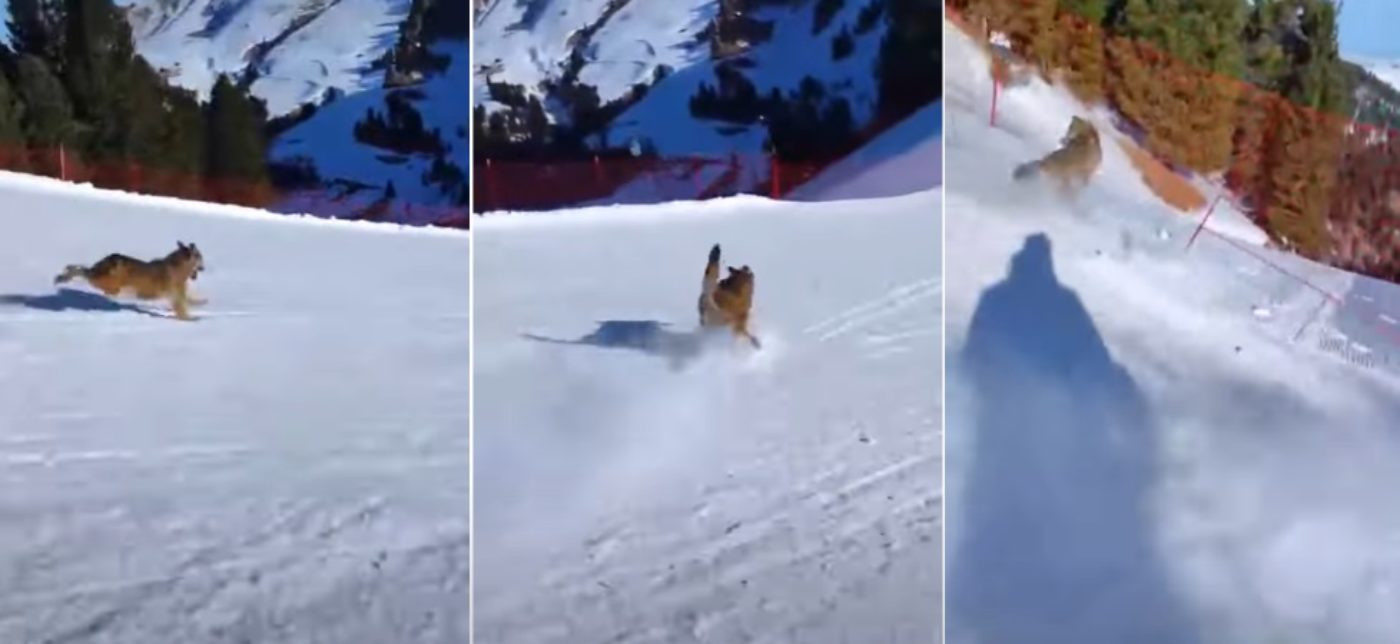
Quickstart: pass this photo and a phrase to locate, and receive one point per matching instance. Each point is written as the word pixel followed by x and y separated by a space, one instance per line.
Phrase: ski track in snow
pixel 1244 496
pixel 291 467
pixel 637 492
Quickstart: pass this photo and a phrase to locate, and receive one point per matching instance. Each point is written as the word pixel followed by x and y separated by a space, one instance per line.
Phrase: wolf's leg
pixel 195 301
pixel 70 272
pixel 180 303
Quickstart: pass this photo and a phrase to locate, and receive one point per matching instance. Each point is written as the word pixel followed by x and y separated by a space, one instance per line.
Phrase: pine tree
pixel 12 144
pixel 235 152
pixel 1172 70
pixel 1079 51
pixel 48 115
pixel 909 68
pixel 37 28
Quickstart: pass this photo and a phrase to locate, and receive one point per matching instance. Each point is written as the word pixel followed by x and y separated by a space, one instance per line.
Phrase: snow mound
pixel 639 482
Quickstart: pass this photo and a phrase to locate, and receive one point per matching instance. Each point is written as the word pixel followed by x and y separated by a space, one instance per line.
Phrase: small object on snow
pixel 864 439
pixel 1262 312
pixel 1163 234
pixel 1237 349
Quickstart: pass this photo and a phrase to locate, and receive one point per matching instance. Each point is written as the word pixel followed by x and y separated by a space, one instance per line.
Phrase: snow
pixel 530 41
pixel 782 62
pixel 527 43
pixel 199 39
pixel 1135 455
pixel 328 140
pixel 906 158
pixel 1387 70
pixel 291 467
pixel 639 483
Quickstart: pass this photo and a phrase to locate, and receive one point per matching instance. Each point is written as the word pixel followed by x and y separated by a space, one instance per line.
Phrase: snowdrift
pixel 638 483
pixel 1150 443
pixel 292 467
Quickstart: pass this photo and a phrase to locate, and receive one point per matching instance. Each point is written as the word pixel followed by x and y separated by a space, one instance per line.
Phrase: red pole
pixel 1204 219
pixel 598 173
pixel 491 184
pixel 62 163
pixel 996 90
pixel 776 181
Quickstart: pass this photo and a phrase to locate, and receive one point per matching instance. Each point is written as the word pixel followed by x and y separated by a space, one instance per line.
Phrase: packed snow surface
pixel 637 482
pixel 290 467
pixel 1136 453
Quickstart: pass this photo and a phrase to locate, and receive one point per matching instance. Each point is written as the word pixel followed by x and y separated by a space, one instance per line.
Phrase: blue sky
pixel 1368 28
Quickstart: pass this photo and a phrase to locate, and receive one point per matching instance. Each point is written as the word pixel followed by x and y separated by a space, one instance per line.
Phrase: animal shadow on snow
pixel 646 336
pixel 67 299
pixel 1057 538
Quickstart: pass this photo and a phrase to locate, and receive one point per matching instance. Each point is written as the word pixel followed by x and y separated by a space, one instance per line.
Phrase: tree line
pixel 71 78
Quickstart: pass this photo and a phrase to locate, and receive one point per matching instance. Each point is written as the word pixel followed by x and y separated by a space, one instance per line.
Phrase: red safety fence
pixel 551 184
pixel 322 201
pixel 1293 170
pixel 522 186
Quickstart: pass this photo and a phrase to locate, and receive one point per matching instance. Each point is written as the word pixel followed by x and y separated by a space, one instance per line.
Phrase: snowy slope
pixel 528 43
pixel 782 62
pixel 317 44
pixel 328 140
pixel 636 483
pixel 906 158
pixel 1151 444
pixel 292 467
pixel 1388 71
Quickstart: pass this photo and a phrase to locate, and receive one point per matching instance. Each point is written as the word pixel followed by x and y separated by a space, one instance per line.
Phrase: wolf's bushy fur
pixel 1073 163
pixel 727 302
pixel 165 278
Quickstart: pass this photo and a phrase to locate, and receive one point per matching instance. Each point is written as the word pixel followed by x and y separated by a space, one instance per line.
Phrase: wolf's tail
pixel 711 271
pixel 1025 170
pixel 72 271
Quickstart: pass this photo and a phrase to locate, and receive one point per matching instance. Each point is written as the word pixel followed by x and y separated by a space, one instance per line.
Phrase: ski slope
pixel 291 467
pixel 639 483
pixel 1151 444
pixel 900 160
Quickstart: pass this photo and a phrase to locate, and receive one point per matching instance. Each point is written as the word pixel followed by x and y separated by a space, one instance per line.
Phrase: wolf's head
pixel 188 257
pixel 740 281
pixel 1080 130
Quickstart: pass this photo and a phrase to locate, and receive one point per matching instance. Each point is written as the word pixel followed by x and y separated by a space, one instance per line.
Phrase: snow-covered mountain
pixel 678 77
pixel 1387 70
pixel 328 54
pixel 299 49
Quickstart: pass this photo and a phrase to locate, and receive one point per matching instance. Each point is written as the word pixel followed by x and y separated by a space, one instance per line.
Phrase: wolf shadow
pixel 67 299
pixel 1057 539
pixel 650 337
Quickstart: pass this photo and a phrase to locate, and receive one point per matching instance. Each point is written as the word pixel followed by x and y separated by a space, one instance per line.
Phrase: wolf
pixel 727 302
pixel 1073 163
pixel 167 277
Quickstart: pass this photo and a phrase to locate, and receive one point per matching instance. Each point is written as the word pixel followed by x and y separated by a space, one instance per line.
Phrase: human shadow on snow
pixel 1057 538
pixel 646 336
pixel 67 299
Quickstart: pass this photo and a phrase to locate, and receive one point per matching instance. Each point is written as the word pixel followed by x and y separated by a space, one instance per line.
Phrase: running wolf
pixel 1073 163
pixel 727 302
pixel 166 277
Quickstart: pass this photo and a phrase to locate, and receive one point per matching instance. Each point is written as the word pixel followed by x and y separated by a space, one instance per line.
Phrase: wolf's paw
pixel 714 253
